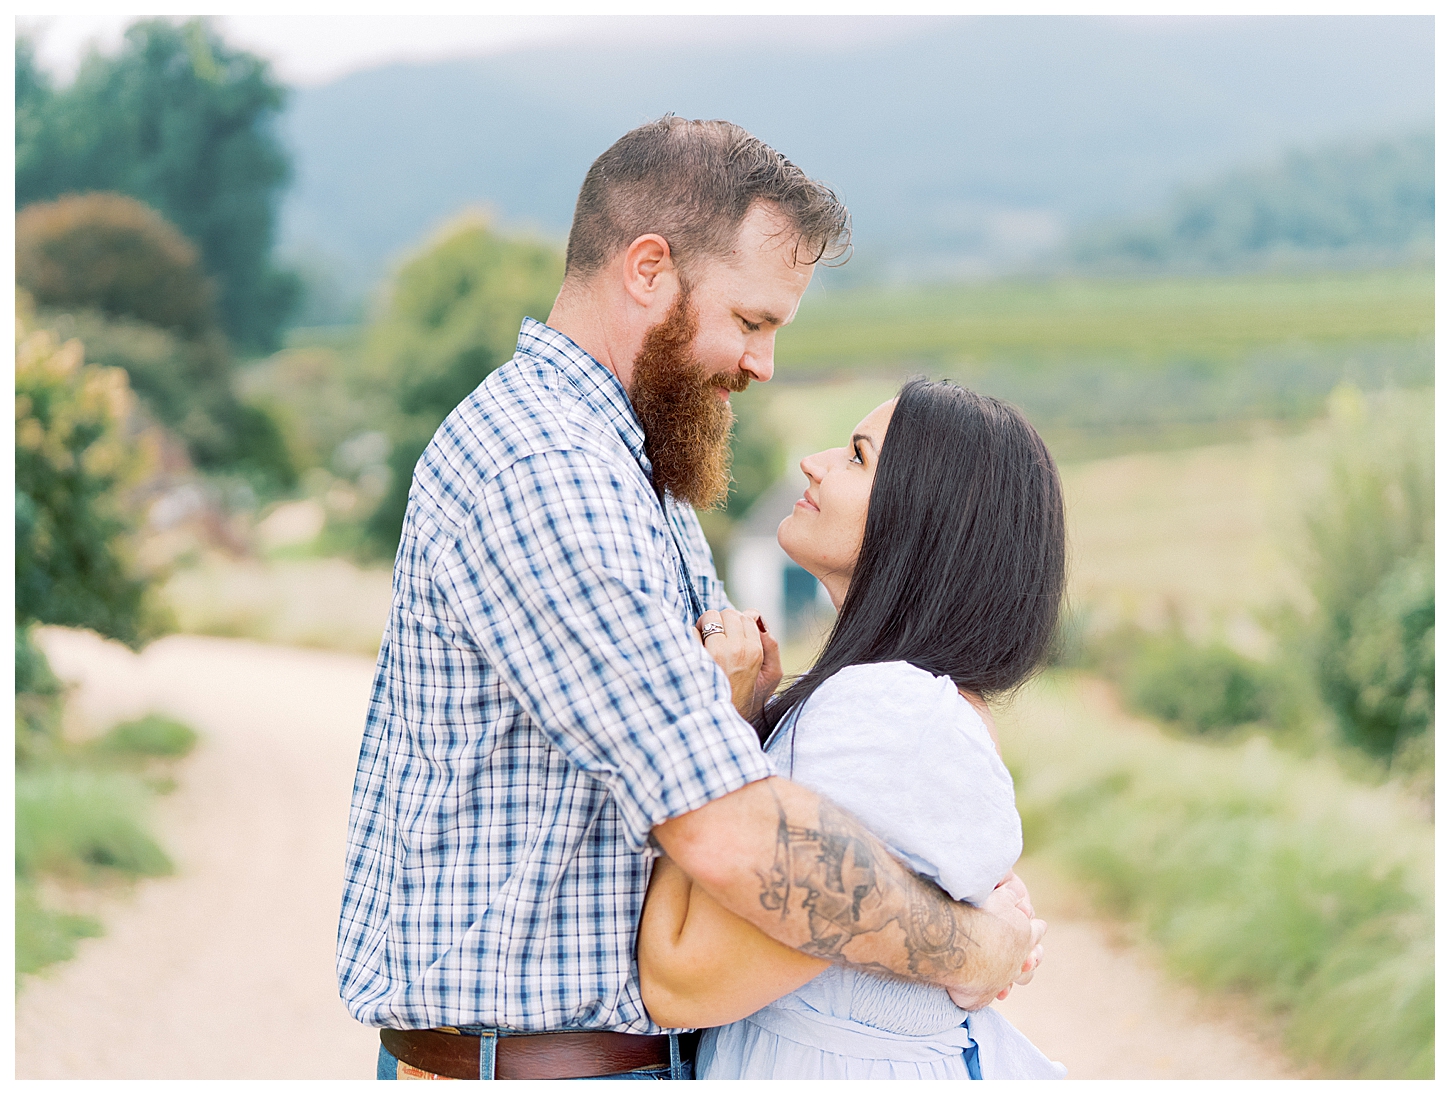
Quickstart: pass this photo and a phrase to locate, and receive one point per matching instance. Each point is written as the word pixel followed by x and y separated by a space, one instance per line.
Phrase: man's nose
pixel 759 361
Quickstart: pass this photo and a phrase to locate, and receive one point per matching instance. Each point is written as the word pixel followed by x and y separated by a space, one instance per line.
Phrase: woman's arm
pixel 702 966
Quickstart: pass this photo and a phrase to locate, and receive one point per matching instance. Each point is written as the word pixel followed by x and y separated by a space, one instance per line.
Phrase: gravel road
pixel 225 970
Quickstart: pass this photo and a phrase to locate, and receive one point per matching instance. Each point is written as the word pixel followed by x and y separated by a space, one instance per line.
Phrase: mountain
pixel 1345 201
pixel 963 145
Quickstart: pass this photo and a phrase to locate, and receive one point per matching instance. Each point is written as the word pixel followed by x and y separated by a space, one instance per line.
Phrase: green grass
pixel 69 820
pixel 1254 871
pixel 81 816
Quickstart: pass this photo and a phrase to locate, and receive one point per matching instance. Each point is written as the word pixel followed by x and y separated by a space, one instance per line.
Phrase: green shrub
pixel 1201 688
pixel 74 458
pixel 70 821
pixel 42 936
pixel 150 736
pixel 1371 569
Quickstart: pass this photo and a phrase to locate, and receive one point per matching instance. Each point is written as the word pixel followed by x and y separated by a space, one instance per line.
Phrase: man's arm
pixel 812 877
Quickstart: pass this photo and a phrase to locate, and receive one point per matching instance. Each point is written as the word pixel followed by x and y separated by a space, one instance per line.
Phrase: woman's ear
pixel 649 273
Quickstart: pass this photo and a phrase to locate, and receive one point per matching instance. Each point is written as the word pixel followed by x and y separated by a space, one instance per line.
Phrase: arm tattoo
pixel 838 873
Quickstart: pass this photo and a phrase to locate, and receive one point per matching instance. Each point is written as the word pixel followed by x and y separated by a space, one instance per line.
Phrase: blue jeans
pixel 685 1070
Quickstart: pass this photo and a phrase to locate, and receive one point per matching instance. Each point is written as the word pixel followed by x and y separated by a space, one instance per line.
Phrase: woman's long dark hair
pixel 962 563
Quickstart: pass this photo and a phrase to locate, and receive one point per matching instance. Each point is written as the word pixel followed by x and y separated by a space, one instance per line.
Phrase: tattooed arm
pixel 810 876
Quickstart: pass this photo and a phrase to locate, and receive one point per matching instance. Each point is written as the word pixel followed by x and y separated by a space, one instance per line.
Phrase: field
pixel 1106 367
pixel 1211 320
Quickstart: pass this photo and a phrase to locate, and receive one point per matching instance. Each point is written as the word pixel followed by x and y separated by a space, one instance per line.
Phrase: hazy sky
pixel 314 46
pixel 311 46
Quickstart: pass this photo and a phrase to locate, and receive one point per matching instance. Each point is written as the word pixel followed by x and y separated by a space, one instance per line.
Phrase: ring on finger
pixel 711 629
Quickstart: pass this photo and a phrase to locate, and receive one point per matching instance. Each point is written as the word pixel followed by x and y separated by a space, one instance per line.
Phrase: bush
pixel 73 460
pixel 1371 569
pixel 42 936
pixel 1200 688
pixel 111 253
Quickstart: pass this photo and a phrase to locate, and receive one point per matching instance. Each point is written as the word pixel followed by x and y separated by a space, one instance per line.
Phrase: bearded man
pixel 544 718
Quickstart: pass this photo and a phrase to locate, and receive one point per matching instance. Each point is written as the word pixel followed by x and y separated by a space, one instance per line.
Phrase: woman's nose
pixel 811 465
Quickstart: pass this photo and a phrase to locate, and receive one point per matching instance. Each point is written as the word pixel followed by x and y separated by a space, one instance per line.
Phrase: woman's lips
pixel 805 500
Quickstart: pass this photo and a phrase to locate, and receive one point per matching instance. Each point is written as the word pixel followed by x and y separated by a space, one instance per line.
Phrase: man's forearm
pixel 811 876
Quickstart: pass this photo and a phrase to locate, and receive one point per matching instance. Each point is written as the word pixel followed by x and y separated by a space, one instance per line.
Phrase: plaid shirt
pixel 540 703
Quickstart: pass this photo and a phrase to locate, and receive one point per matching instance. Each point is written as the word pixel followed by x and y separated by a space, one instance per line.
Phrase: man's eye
pixel 748 325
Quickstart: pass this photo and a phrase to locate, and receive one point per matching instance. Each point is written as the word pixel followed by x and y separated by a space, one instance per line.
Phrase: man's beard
pixel 686 423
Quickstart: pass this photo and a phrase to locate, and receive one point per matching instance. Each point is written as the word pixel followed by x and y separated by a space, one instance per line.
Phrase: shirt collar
pixel 600 388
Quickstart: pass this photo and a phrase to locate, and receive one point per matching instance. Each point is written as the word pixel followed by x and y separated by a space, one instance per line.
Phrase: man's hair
pixel 693 182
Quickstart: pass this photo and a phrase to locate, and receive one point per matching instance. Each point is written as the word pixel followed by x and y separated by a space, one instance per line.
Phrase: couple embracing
pixel 586 823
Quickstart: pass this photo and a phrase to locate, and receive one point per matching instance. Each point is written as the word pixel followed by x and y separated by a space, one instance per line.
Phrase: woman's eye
pixel 857 458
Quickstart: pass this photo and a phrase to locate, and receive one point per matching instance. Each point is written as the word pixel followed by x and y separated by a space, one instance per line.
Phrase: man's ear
pixel 649 273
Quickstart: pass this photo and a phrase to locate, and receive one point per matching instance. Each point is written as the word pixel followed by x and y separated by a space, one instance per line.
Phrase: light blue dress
pixel 904 753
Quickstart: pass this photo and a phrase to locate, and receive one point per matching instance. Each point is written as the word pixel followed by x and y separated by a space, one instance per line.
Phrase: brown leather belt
pixel 561 1056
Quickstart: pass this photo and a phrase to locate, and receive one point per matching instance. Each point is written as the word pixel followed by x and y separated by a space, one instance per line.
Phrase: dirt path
pixel 225 970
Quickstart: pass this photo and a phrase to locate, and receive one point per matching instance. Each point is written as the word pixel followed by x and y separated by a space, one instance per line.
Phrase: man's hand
pixel 747 652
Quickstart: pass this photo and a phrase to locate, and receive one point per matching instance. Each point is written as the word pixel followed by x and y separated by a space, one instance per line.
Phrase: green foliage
pixel 149 736
pixel 184 123
pixel 71 820
pixel 72 459
pixel 1374 199
pixel 1253 869
pixel 1371 569
pixel 452 318
pixel 43 936
pixel 111 253
pixel 1200 688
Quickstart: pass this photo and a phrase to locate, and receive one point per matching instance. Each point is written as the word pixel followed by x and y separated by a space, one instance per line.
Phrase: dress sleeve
pixel 904 753
pixel 563 592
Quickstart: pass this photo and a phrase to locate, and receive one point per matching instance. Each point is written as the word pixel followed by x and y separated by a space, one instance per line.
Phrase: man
pixel 544 717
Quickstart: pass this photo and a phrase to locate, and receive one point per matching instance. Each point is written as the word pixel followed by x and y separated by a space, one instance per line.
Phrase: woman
pixel 938 533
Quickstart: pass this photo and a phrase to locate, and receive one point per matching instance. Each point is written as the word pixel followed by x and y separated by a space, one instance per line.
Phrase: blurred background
pixel 259 258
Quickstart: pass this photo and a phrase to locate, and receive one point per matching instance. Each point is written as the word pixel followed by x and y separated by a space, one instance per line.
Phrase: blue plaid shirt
pixel 540 703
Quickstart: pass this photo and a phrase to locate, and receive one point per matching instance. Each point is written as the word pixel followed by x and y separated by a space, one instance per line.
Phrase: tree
pixel 183 123
pixel 452 318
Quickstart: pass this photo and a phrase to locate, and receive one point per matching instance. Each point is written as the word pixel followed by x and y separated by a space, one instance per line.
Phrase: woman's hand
pixel 1011 893
pixel 747 652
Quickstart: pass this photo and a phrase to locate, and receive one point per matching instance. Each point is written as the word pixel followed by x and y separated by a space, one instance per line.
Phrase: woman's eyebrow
pixel 866 437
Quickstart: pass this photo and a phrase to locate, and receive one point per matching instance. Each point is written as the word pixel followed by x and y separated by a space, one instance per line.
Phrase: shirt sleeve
pixel 562 576
pixel 902 751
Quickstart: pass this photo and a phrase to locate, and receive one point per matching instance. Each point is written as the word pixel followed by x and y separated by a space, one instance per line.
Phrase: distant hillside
pixel 1346 201
pixel 968 146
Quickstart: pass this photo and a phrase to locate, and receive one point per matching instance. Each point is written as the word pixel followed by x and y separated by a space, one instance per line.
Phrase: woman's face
pixel 823 532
